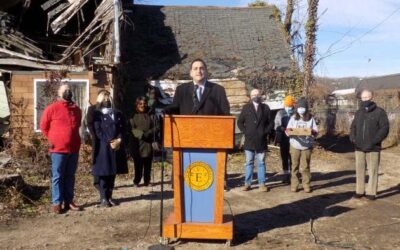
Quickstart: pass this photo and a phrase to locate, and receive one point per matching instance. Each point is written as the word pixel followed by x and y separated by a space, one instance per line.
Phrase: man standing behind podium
pixel 199 97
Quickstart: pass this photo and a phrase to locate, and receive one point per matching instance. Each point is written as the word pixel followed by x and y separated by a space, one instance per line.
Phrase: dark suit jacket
pixel 213 100
pixel 255 126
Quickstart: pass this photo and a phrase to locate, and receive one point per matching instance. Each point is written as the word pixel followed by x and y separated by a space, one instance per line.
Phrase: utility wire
pixel 359 38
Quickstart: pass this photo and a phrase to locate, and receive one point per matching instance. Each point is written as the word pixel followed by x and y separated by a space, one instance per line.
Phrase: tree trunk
pixel 288 21
pixel 309 54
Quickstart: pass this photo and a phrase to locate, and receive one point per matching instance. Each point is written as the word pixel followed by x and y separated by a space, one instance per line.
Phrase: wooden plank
pixel 178 177
pixel 102 13
pixel 219 187
pixel 63 19
pixel 49 4
pixel 57 10
pixel 37 65
pixel 190 131
pixel 223 231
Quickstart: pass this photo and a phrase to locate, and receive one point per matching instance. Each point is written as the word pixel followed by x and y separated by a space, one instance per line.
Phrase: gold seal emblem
pixel 199 176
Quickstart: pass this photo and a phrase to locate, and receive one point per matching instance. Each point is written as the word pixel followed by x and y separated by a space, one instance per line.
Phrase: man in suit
pixel 255 123
pixel 199 97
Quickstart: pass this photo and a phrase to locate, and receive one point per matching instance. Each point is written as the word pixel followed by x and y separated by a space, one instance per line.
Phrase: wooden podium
pixel 199 146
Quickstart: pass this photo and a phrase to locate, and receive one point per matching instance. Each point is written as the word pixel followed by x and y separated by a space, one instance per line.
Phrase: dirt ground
pixel 327 218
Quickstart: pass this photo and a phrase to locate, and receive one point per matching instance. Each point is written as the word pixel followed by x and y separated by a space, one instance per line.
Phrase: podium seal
pixel 199 176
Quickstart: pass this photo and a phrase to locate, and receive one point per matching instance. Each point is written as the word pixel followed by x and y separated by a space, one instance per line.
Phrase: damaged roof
pixel 50 34
pixel 165 39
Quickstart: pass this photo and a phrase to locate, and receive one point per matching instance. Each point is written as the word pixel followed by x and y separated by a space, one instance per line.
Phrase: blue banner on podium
pixel 199 172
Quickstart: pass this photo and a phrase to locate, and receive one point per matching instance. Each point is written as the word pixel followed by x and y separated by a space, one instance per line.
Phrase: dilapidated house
pixel 95 44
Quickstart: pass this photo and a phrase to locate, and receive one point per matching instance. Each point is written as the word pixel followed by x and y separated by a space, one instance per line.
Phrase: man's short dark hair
pixel 198 60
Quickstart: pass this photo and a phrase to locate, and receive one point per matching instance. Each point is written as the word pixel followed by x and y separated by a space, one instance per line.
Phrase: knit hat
pixel 288 101
pixel 302 103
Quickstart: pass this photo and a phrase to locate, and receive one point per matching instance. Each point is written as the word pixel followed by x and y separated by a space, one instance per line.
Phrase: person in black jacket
pixel 256 123
pixel 91 114
pixel 368 129
pixel 110 159
pixel 199 97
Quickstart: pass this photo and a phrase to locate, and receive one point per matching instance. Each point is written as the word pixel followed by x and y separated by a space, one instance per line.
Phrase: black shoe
pixel 358 196
pixel 105 203
pixel 370 197
pixel 286 179
pixel 113 202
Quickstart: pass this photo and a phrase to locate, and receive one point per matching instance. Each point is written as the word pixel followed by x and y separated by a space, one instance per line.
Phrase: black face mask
pixel 257 99
pixel 106 104
pixel 67 95
pixel 365 104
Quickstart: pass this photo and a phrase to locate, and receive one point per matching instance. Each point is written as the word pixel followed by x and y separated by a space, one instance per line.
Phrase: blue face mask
pixel 301 111
pixel 289 110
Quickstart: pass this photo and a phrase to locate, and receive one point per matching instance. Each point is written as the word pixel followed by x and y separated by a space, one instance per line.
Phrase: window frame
pixel 37 81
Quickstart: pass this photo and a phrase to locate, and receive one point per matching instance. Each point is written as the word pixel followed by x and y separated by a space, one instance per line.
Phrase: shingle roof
pixel 166 39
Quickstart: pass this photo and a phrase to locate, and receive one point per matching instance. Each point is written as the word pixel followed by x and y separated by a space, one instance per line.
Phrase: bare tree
pixel 288 20
pixel 309 54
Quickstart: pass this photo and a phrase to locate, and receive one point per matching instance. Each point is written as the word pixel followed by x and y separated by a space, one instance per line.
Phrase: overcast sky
pixel 364 35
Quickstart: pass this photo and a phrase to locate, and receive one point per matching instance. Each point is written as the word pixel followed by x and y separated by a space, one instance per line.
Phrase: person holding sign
pixel 302 130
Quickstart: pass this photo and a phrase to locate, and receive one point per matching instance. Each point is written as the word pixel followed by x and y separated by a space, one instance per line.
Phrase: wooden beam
pixel 37 65
pixel 63 19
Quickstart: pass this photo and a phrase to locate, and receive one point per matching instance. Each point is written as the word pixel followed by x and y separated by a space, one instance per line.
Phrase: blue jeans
pixel 260 156
pixel 63 168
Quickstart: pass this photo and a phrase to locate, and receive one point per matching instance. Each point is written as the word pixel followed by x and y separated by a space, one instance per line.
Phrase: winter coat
pixel 109 161
pixel 91 115
pixel 60 123
pixel 369 128
pixel 255 125
pixel 281 121
pixel 144 131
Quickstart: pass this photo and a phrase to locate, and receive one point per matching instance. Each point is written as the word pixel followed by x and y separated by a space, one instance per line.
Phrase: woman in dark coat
pixel 109 126
pixel 144 134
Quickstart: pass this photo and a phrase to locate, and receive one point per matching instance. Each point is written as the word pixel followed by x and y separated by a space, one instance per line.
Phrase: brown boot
pixel 72 206
pixel 57 209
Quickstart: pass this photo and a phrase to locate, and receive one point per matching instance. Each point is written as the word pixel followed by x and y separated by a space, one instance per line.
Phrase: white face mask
pixel 301 111
pixel 106 111
pixel 289 110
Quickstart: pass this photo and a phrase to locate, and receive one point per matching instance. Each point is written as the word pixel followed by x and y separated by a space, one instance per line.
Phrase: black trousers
pixel 285 154
pixel 142 168
pixel 106 186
